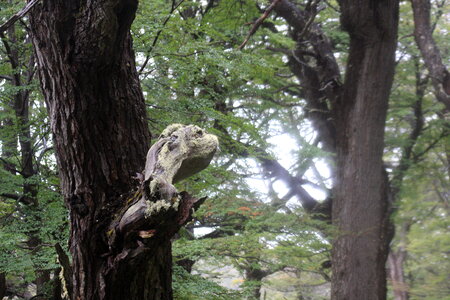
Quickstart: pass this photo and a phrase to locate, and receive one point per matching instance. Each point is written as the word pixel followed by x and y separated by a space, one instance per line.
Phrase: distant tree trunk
pixel 98 119
pixel 396 262
pixel 360 209
pixel 423 34
pixel 353 128
pixel 21 78
pixel 256 275
pixel 2 285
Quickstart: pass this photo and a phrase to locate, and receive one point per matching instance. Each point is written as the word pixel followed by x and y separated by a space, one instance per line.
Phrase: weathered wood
pixel 157 211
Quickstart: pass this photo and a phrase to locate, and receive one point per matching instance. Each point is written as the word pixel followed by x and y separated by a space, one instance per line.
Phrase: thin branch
pixel 11 196
pixel 309 22
pixel 18 15
pixel 6 77
pixel 158 34
pixel 418 156
pixel 258 23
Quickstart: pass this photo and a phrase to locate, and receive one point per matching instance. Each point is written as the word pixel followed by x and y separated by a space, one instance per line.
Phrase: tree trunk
pixel 21 78
pixel 396 261
pixel 2 285
pixel 98 120
pixel 423 34
pixel 360 209
pixel 121 230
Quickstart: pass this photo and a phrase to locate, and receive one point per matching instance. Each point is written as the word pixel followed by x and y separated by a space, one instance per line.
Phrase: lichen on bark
pixel 181 151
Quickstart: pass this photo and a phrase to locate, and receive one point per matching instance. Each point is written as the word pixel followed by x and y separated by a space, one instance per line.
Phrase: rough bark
pixel 360 209
pixel 98 120
pixel 97 113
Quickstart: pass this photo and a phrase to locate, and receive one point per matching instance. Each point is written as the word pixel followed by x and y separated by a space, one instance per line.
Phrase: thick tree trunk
pixel 98 119
pixel 120 229
pixel 360 209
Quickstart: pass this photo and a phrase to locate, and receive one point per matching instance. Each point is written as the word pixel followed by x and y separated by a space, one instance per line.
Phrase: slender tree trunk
pixel 396 262
pixel 360 206
pixel 423 34
pixel 21 78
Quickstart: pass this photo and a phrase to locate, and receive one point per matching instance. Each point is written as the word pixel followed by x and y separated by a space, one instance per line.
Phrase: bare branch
pixel 258 23
pixel 158 34
pixel 18 15
pixel 6 77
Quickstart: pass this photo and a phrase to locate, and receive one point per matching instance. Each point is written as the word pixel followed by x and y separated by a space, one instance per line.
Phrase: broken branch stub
pixel 180 152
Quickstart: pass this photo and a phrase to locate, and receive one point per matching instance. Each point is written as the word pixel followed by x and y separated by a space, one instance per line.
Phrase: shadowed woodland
pixel 317 166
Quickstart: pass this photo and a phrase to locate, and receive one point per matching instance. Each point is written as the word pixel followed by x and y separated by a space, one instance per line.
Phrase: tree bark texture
pixel 98 120
pixel 360 209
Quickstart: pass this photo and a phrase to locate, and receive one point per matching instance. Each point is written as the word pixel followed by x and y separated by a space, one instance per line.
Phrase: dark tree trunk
pixel 2 285
pixel 423 34
pixel 355 131
pixel 256 275
pixel 121 249
pixel 98 119
pixel 360 209
pixel 42 280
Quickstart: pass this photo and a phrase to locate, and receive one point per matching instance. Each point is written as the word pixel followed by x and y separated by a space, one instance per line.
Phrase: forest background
pixel 192 72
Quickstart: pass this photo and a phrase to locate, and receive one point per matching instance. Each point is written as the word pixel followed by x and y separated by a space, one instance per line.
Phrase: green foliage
pixel 192 73
pixel 193 287
pixel 32 214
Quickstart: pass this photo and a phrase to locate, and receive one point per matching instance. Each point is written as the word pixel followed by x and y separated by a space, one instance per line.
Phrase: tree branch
pixel 158 34
pixel 430 52
pixel 258 23
pixel 18 15
pixel 321 82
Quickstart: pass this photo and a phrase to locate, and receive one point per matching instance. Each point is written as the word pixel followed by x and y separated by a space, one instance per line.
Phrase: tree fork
pixel 360 209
